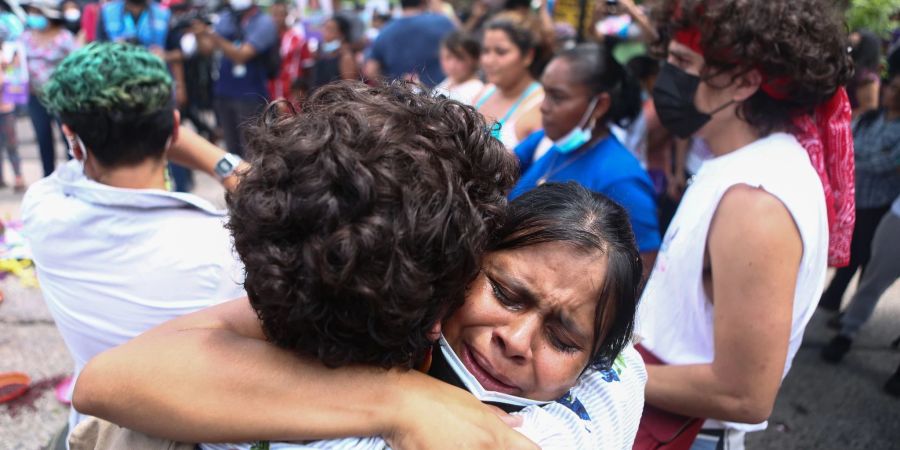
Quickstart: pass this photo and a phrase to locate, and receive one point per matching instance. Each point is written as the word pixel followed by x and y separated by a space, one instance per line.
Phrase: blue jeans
pixel 233 114
pixel 719 440
pixel 43 132
pixel 8 142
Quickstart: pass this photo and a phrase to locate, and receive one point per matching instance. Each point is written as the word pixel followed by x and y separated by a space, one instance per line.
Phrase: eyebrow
pixel 532 299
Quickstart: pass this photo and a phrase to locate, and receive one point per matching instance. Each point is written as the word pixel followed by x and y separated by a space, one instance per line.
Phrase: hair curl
pixel 801 41
pixel 361 221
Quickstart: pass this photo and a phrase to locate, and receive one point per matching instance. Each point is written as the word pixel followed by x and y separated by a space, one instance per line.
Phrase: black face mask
pixel 673 97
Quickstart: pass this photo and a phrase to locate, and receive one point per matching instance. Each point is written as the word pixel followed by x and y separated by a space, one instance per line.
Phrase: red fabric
pixel 827 137
pixel 663 430
pixel 690 38
pixel 89 18
pixel 295 56
pixel 776 88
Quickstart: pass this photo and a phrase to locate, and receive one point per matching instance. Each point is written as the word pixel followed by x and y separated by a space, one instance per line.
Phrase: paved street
pixel 820 406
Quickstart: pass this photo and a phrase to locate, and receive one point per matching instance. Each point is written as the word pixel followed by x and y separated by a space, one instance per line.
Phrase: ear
pixel 435 333
pixel 75 144
pixel 746 85
pixel 604 101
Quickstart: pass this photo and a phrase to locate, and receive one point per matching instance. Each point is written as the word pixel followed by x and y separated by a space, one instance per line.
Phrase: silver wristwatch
pixel 226 166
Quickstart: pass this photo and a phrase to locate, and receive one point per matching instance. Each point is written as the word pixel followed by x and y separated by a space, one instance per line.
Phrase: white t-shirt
pixel 464 93
pixel 113 263
pixel 675 318
pixel 602 413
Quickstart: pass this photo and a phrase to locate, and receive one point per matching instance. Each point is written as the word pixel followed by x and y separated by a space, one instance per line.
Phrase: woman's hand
pixel 434 415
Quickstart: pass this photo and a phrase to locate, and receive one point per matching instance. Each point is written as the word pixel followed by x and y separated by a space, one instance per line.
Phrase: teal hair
pixel 106 77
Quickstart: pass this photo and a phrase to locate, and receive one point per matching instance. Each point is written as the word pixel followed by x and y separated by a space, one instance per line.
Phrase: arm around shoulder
pixel 192 374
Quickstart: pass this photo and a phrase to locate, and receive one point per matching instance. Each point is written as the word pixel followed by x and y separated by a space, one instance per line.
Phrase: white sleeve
pixel 602 412
pixel 548 431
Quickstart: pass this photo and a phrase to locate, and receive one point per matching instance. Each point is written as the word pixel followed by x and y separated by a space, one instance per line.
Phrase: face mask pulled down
pixel 506 402
pixel 579 135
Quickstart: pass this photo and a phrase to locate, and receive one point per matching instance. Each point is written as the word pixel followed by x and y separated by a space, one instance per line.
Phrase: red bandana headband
pixel 827 137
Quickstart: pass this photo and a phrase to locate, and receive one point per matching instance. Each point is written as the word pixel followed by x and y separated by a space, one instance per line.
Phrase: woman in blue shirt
pixel 585 90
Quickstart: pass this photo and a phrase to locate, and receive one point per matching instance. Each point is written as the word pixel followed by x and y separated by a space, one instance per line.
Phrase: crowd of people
pixel 484 229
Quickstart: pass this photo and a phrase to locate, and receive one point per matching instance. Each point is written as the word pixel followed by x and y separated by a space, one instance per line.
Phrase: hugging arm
pixel 210 376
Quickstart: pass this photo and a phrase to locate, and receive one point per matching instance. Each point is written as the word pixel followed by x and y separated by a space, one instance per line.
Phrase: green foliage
pixel 873 15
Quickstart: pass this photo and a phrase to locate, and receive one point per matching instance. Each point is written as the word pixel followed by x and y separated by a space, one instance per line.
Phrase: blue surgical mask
pixel 331 46
pixel 579 135
pixel 36 21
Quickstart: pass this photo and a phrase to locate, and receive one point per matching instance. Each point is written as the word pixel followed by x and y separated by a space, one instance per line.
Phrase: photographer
pixel 244 35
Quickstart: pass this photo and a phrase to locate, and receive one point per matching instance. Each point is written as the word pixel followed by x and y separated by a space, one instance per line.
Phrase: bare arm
pixel 192 151
pixel 192 374
pixel 754 251
pixel 372 69
pixel 643 22
pixel 238 54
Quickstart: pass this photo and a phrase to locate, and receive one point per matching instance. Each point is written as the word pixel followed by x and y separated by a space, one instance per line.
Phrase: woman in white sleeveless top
pixel 744 260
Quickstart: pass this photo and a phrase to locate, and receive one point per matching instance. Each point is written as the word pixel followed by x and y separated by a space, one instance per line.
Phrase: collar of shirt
pixel 74 183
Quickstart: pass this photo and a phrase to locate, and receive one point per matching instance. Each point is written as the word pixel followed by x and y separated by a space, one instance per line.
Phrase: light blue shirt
pixel 114 262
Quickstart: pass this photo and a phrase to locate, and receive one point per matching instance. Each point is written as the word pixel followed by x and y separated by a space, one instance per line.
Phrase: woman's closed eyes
pixel 555 332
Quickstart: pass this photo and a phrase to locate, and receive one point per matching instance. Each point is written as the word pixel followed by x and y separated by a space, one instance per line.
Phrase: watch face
pixel 223 167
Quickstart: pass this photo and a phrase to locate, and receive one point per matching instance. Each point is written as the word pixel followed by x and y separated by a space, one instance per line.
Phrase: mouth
pixel 479 367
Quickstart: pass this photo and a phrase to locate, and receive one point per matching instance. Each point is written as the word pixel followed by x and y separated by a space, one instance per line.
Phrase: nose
pixel 487 59
pixel 515 339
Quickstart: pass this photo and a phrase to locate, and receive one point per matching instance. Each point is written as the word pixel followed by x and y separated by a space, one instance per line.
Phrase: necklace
pixel 553 171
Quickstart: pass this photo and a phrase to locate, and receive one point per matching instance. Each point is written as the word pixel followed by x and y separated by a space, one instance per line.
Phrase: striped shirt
pixel 876 142
pixel 601 412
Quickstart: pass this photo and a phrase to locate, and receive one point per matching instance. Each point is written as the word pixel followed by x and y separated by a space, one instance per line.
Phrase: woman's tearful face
pixel 527 326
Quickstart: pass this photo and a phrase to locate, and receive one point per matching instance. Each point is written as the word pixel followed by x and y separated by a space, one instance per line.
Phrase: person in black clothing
pixel 334 57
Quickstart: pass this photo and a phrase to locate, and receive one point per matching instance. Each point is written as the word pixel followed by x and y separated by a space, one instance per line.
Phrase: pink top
pixel 43 57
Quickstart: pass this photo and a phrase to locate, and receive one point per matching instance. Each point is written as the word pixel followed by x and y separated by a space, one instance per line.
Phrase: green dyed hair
pixel 109 77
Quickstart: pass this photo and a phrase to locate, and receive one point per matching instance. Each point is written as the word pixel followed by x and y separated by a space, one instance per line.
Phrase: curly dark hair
pixel 362 220
pixel 803 42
